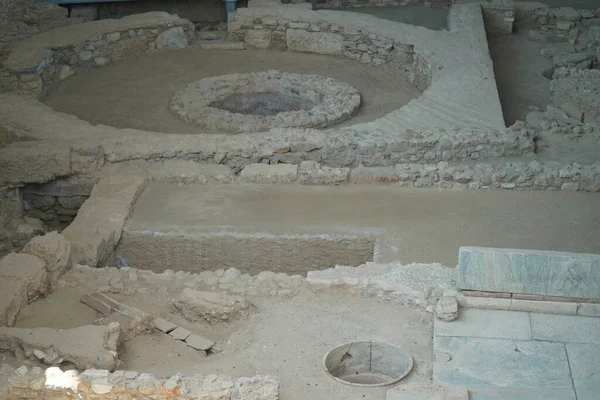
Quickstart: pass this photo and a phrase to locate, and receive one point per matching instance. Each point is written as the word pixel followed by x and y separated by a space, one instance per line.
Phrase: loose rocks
pixel 196 305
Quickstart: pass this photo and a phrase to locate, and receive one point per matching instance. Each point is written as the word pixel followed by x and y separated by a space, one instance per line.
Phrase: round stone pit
pixel 259 101
pixel 368 364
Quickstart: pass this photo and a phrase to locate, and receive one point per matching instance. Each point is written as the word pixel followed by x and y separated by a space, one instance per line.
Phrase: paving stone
pixel 584 360
pixel 496 324
pixel 589 309
pixel 565 328
pixel 180 333
pixel 481 363
pixel 198 342
pixel 416 394
pixel 549 307
pixel 163 325
pixel 523 394
pixel 529 271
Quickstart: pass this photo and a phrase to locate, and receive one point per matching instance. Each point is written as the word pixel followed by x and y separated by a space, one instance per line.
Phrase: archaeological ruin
pixel 288 199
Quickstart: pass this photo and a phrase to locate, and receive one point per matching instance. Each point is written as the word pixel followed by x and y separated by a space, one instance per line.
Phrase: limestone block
pixel 529 271
pixel 258 38
pixel 314 42
pixel 172 39
pixel 312 173
pixel 26 268
pixel 566 13
pixel 373 175
pixel 263 173
pixel 55 250
pixel 99 223
pixel 184 171
pixel 42 163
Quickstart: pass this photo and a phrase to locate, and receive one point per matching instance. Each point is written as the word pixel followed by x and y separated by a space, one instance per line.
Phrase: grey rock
pixel 172 39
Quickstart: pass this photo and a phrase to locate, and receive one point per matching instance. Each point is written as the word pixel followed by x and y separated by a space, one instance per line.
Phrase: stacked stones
pixel 327 38
pixel 564 18
pixel 54 384
pixel 56 64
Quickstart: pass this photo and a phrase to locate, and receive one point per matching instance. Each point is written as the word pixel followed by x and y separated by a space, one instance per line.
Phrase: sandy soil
pixel 284 338
pixel 134 93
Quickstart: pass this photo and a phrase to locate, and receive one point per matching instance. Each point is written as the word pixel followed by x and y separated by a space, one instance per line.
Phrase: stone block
pixel 26 268
pixel 258 38
pixel 172 39
pixel 447 309
pixel 262 173
pixel 180 333
pixel 39 164
pixel 314 42
pixel 483 363
pixel 198 342
pixel 373 175
pixel 163 325
pixel 567 14
pixel 312 173
pixel 55 250
pixel 184 171
pixel 493 324
pixel 589 309
pixel 547 273
pixel 583 359
pixel 565 328
pixel 549 307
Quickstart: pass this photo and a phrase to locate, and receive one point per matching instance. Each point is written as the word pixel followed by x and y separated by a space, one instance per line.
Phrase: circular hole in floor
pixel 368 364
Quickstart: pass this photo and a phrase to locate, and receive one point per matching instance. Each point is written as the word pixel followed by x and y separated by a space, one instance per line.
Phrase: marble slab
pixel 539 272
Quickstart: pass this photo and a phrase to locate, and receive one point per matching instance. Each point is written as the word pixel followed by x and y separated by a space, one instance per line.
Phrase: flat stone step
pixel 299 228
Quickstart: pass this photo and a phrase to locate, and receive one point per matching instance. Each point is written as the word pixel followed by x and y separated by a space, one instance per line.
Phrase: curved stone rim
pixel 336 101
pixel 392 381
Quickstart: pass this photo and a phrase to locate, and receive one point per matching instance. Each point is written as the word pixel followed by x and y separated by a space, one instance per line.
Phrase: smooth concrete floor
pixel 412 225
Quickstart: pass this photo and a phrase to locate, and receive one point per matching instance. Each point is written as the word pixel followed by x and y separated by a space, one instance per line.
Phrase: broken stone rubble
pixel 211 307
pixel 85 347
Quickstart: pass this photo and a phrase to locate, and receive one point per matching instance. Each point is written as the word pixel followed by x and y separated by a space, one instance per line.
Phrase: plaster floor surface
pixel 509 355
pixel 410 225
pixel 135 93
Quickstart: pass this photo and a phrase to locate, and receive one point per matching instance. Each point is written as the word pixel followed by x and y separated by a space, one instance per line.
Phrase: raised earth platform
pixel 295 228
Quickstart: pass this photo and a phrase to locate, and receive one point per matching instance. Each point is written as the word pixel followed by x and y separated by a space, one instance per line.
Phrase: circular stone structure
pixel 368 364
pixel 259 101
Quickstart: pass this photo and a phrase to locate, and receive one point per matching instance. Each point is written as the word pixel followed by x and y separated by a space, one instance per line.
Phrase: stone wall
pixel 272 33
pixel 34 69
pixel 56 202
pixel 20 19
pixel 55 384
pixel 377 3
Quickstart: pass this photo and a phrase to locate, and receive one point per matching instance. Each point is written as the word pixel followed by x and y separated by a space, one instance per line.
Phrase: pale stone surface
pixel 312 173
pixel 163 325
pixel 198 342
pixel 565 328
pixel 55 250
pixel 500 393
pixel 13 297
pixel 211 307
pixel 262 173
pixel 529 271
pixel 258 38
pixel 172 39
pixel 85 347
pixel 314 42
pixel 493 324
pixel 480 363
pixel 28 269
pixel 585 369
pixel 180 333
pixel 65 72
pixel 34 164
pixel 447 309
pixel 183 171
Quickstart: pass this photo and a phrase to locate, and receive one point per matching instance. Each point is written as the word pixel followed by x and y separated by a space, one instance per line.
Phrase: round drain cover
pixel 368 363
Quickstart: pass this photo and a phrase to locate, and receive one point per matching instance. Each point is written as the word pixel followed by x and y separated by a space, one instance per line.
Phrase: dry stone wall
pixel 371 3
pixel 330 39
pixel 91 384
pixel 32 70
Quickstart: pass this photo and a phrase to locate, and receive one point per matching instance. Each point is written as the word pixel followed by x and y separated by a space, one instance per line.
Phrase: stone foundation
pixel 54 384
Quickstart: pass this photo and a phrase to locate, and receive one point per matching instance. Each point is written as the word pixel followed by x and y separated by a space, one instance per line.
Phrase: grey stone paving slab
pixel 481 363
pixel 585 369
pixel 529 271
pixel 523 394
pixel 565 328
pixel 497 324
